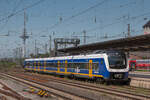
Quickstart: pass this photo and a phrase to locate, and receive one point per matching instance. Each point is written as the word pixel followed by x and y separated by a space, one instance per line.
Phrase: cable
pixel 116 22
pixel 86 10
pixel 17 5
pixel 13 10
pixel 79 13
pixel 15 13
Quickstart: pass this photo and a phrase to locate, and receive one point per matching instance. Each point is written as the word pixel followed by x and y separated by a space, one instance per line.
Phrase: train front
pixel 117 66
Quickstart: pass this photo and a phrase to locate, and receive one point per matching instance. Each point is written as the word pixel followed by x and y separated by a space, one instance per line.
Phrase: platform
pixel 139 74
pixel 140 79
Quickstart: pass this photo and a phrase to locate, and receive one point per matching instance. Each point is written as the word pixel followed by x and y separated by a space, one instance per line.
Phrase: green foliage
pixel 148 70
pixel 6 64
pixel 39 55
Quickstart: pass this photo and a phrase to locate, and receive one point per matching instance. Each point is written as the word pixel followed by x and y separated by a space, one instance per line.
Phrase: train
pixel 105 66
pixel 139 64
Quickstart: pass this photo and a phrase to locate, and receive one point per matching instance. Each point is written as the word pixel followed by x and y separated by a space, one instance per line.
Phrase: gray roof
pixel 147 24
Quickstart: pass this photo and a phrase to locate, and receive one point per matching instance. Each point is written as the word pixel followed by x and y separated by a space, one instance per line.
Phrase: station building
pixel 146 28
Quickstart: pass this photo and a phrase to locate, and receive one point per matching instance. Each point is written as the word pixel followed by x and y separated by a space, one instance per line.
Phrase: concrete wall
pixel 140 82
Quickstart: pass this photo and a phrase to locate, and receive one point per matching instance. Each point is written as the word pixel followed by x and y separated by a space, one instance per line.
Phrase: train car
pixel 140 64
pixel 106 66
pixel 132 64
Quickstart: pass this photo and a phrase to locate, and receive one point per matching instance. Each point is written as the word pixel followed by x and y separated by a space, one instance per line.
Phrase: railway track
pixel 126 89
pixel 64 95
pixel 108 91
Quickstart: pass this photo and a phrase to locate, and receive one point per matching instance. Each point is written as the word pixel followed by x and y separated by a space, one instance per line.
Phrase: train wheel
pixel 127 82
pixel 71 76
pixel 107 82
pixel 100 80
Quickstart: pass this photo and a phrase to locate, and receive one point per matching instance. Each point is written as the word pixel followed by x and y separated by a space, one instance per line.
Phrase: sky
pixel 68 18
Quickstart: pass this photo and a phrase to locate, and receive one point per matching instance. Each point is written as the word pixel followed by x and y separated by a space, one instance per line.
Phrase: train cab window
pixel 117 60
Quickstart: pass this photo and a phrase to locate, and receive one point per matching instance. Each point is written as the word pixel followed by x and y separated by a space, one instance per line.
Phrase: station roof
pixel 136 43
pixel 147 24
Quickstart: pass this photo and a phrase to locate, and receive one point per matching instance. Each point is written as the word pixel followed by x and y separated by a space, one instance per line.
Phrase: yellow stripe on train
pixel 66 72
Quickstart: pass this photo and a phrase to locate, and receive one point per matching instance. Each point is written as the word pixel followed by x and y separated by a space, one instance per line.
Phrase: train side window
pixel 73 65
pixel 32 63
pixel 102 61
pixel 39 63
pixel 70 65
pixel 83 65
pixel 62 65
pixel 48 64
pixel 27 63
pixel 36 64
pixel 42 64
pixel 55 64
pixel 95 66
pixel 77 65
pixel 52 65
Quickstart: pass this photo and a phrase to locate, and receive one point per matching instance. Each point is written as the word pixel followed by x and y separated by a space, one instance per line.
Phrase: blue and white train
pixel 106 66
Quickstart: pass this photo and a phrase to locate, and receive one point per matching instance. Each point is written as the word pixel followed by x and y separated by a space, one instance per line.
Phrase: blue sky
pixel 110 18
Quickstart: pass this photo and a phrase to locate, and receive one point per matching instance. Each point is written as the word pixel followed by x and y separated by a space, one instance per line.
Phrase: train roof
pixel 69 57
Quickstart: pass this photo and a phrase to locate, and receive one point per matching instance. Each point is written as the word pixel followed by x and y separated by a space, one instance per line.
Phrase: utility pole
pixel 84 36
pixel 35 48
pixel 50 43
pixel 46 48
pixel 24 37
pixel 128 30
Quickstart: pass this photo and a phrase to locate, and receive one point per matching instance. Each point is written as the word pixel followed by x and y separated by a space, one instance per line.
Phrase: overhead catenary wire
pixel 78 14
pixel 116 22
pixel 84 11
pixel 13 10
pixel 21 10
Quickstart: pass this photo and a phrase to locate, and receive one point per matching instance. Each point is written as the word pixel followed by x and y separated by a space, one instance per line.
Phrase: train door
pixel 44 66
pixel 38 65
pixel 90 68
pixel 34 65
pixel 66 64
pixel 58 66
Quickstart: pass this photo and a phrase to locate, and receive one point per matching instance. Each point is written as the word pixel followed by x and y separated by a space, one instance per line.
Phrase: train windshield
pixel 117 60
